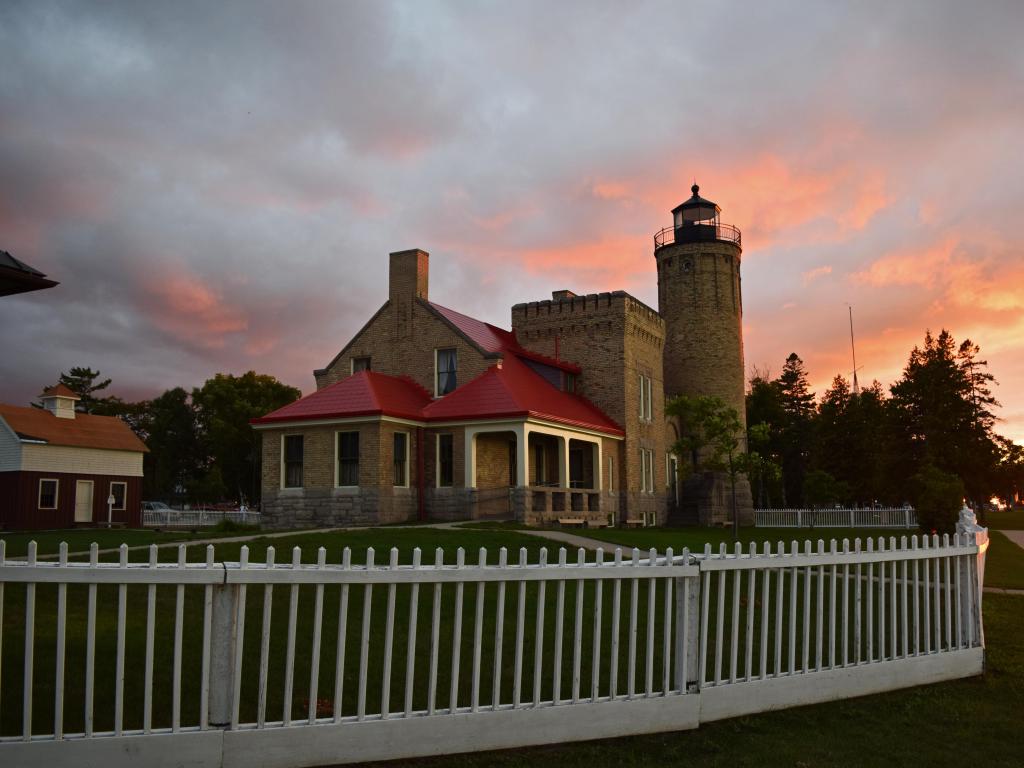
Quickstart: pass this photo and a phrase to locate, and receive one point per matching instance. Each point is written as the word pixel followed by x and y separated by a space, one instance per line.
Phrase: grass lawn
pixel 1004 564
pixel 1009 520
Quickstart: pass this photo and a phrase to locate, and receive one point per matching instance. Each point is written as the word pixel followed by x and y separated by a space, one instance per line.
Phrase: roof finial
pixel 695 189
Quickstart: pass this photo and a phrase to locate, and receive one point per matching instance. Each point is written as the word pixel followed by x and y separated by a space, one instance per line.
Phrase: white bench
pixel 638 522
pixel 572 521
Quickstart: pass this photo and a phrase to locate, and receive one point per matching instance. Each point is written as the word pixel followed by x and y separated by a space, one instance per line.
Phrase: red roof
pixel 510 390
pixel 83 431
pixel 494 340
pixel 366 393
pixel 486 336
pixel 61 390
pixel 513 390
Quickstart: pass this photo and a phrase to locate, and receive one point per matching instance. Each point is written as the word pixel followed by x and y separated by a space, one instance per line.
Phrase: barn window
pixel 120 492
pixel 48 493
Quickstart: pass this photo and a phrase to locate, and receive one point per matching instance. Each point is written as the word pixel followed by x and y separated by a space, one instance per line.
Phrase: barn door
pixel 83 501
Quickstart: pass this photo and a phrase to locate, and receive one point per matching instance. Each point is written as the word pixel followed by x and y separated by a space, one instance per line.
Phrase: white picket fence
pixel 195 518
pixel 883 517
pixel 359 662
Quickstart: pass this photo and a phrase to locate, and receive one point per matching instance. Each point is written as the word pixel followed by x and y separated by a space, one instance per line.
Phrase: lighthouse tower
pixel 700 299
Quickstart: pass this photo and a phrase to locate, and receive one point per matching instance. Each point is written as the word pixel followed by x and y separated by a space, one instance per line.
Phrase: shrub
pixel 937 497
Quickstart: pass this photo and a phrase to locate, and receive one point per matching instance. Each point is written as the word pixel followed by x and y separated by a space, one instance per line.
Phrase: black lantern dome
pixel 695 221
pixel 696 210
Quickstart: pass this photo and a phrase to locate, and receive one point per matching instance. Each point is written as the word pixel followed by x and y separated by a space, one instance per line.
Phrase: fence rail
pixel 195 518
pixel 886 517
pixel 310 663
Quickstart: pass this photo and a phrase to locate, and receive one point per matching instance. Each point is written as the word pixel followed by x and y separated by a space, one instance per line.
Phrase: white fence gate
pixel 882 517
pixel 305 664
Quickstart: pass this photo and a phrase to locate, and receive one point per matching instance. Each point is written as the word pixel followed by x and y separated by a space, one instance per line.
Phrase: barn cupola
pixel 60 401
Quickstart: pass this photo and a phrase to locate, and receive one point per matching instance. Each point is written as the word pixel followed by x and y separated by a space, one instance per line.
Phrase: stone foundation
pixel 707 500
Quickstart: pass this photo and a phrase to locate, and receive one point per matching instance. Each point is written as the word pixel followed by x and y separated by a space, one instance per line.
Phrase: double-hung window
pixel 401 459
pixel 48 493
pixel 348 458
pixel 646 392
pixel 293 452
pixel 119 491
pixel 646 470
pixel 445 461
pixel 446 364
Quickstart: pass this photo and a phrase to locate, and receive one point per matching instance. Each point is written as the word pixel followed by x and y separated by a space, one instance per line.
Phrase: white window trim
pixel 642 390
pixel 124 496
pixel 284 439
pixel 408 440
pixel 337 457
pixel 56 493
pixel 649 398
pixel 611 473
pixel 437 373
pixel 352 363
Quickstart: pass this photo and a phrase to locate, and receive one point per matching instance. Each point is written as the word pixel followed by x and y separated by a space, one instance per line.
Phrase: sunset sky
pixel 217 185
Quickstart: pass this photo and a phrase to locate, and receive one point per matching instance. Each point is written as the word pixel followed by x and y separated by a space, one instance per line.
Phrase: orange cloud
pixel 813 274
pixel 188 307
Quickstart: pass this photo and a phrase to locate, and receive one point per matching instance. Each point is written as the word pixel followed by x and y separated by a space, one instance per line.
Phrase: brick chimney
pixel 408 276
pixel 563 294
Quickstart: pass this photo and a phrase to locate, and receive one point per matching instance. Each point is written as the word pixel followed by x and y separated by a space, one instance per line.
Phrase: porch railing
pixel 843 517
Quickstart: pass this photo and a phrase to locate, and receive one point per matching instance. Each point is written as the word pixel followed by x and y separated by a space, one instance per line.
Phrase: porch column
pixel 470 457
pixel 598 468
pixel 522 455
pixel 563 461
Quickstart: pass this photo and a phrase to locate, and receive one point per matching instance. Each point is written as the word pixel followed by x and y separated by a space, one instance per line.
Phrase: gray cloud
pixel 217 186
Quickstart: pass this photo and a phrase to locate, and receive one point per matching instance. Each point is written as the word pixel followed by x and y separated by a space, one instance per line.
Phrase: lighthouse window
pixel 687 266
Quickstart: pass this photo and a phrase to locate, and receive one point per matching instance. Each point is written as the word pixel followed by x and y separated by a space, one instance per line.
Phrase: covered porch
pixel 554 474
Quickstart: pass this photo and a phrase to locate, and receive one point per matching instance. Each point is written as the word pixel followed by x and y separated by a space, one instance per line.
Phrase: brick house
pixel 430 414
pixel 59 467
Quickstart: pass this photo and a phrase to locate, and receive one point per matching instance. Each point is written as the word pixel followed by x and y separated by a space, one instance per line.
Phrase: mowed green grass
pixel 1004 563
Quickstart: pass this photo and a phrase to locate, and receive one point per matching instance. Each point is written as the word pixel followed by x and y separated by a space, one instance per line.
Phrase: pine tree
pixel 798 406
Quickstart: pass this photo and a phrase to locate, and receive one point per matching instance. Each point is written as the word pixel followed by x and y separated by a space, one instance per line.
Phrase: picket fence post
pixel 223 626
pixel 687 642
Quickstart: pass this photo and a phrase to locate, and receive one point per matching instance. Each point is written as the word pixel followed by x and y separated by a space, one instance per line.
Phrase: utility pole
pixel 853 349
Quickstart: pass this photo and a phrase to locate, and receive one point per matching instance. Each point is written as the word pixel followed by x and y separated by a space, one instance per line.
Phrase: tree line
pixel 201 446
pixel 929 440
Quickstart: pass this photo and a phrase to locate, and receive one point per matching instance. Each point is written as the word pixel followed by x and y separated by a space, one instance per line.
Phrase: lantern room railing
pixel 697 233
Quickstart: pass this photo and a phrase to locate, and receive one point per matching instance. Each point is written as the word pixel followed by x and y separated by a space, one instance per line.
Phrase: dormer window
pixel 446 364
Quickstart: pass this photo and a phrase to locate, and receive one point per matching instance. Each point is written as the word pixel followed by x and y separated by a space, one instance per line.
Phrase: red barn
pixel 58 468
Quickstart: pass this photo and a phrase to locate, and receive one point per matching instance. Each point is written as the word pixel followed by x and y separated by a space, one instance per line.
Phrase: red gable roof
pixel 494 340
pixel 83 431
pixel 513 390
pixel 60 390
pixel 366 393
pixel 486 336
pixel 509 391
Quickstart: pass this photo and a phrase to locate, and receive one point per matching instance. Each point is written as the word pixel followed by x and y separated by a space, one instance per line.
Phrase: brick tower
pixel 700 299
